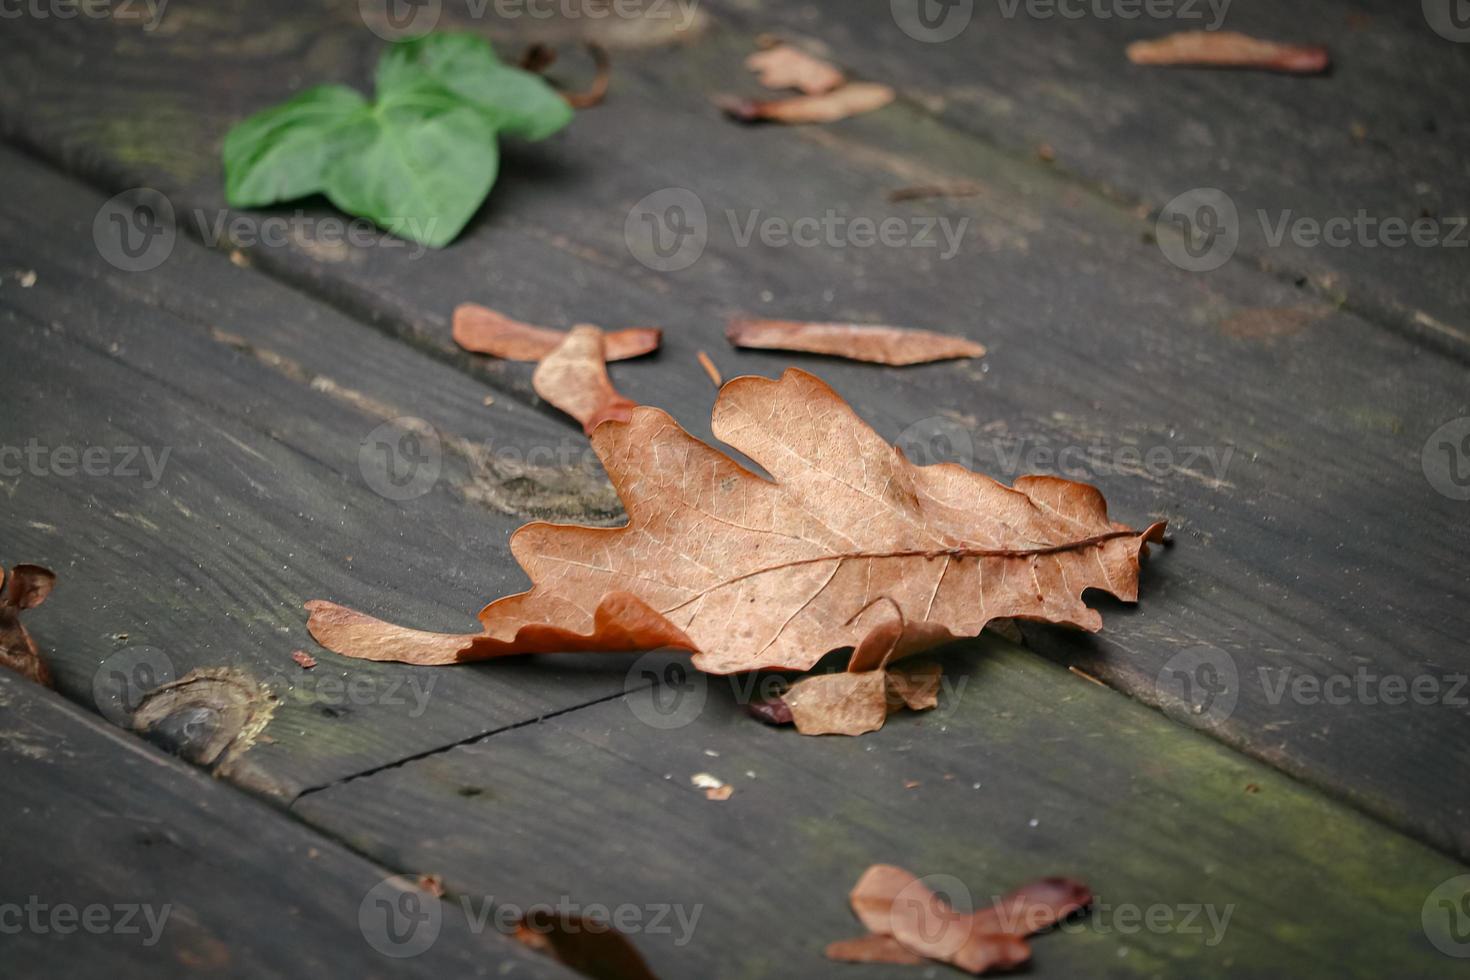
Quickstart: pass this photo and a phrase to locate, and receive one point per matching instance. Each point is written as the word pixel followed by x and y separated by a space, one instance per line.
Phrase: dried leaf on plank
pixel 751 573
pixel 853 99
pixel 908 922
pixel 1230 49
pixel 485 331
pixel 897 346
pixel 26 587
pixel 787 66
pixel 574 379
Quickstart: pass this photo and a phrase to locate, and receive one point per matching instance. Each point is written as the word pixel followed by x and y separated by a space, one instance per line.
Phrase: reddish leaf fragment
pixel 849 100
pixel 587 946
pixel 858 703
pixel 773 712
pixel 872 948
pixel 484 331
pixel 431 883
pixel 303 659
pixel 786 66
pixel 1230 49
pixel 758 573
pixel 895 346
pixel 597 91
pixel 709 368
pixel 891 902
pixel 574 379
pixel 26 588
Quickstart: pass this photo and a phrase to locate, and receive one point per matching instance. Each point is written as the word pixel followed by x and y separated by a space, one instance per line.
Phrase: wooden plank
pixel 1285 458
pixel 122 862
pixel 1379 136
pixel 1023 771
pixel 238 477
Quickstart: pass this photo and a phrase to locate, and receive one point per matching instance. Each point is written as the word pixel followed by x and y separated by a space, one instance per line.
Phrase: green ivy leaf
pixel 516 101
pixel 283 153
pixel 419 165
pixel 419 161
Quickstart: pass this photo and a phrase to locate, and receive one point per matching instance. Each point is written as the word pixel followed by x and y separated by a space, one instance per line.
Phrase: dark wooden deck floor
pixel 1311 554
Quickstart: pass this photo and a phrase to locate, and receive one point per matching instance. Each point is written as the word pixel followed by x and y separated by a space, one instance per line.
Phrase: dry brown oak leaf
pixel 752 573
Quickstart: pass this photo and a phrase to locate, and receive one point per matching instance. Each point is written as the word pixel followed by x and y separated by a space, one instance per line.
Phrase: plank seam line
pixel 470 740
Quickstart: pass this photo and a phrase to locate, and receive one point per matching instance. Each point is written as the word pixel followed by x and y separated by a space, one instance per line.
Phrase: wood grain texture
pixel 1381 134
pixel 191 876
pixel 1287 461
pixel 1023 771
pixel 257 408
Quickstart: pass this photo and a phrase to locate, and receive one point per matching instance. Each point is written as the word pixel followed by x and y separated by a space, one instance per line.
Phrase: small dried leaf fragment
pixel 858 703
pixel 787 66
pixel 303 659
pixel 872 948
pixel 590 947
pixel 26 587
pixel 1230 49
pixel 771 573
pixel 849 100
pixel 574 379
pixel 709 368
pixel 485 331
pixel 893 904
pixel 896 346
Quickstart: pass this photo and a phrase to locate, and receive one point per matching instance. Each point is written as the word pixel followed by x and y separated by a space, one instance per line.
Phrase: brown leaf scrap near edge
pixel 574 379
pixel 896 346
pixel 1230 49
pixel 853 99
pixel 540 56
pixel 908 923
pixel 591 948
pixel 785 66
pixel 26 588
pixel 755 573
pixel 485 331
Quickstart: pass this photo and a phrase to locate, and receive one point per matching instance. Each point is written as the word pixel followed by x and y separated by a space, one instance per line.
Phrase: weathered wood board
pixel 121 862
pixel 236 429
pixel 1285 451
pixel 1381 136
pixel 1023 771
